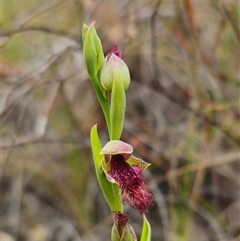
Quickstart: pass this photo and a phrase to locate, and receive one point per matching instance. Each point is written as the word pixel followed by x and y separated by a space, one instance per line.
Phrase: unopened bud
pixel 115 69
pixel 92 50
pixel 122 230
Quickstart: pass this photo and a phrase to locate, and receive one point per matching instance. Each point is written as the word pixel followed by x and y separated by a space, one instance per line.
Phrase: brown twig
pixel 153 23
pixel 194 28
pixel 191 16
pixel 43 29
pixel 216 160
pixel 234 26
pixel 52 59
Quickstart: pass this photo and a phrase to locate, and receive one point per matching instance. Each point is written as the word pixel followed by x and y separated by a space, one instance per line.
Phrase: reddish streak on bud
pixel 131 182
pixel 116 52
pixel 120 219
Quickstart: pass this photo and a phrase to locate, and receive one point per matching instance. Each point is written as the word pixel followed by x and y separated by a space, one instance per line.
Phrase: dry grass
pixel 182 116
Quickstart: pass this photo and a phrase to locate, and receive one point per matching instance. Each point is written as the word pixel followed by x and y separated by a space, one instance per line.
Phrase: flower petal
pixel 131 182
pixel 137 162
pixel 106 168
pixel 116 147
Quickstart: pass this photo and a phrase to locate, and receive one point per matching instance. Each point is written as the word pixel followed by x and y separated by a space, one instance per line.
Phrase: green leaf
pixel 146 230
pixel 110 190
pixel 94 59
pixel 117 108
pixel 92 51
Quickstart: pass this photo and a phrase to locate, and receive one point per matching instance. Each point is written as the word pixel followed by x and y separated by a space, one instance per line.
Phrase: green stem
pixel 106 111
pixel 103 102
pixel 117 109
pixel 117 199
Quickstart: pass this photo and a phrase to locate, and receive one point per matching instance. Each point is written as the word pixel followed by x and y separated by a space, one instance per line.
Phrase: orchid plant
pixel 119 173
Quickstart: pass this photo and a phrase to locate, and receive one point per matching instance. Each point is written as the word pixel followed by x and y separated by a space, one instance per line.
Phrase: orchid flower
pixel 119 173
pixel 122 168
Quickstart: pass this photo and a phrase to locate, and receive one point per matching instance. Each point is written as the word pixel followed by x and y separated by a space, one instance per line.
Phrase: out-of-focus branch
pixel 191 16
pixel 153 23
pixel 41 10
pixel 234 26
pixel 51 61
pixel 193 206
pixel 217 38
pixel 217 160
pixel 41 121
pixel 33 139
pixel 43 115
pixel 195 29
pixel 218 125
pixel 198 112
pixel 43 29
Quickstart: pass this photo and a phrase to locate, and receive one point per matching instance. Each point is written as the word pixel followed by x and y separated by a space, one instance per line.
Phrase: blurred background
pixel 182 117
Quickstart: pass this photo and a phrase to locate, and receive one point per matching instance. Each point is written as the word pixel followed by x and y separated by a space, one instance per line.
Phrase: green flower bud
pixel 92 50
pixel 115 78
pixel 115 69
pixel 128 234
pixel 122 230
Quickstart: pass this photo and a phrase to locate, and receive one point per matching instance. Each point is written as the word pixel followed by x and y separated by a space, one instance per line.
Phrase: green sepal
pixel 137 162
pixel 84 32
pixel 92 51
pixel 98 47
pixel 128 234
pixel 146 230
pixel 89 52
pixel 114 234
pixel 110 190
